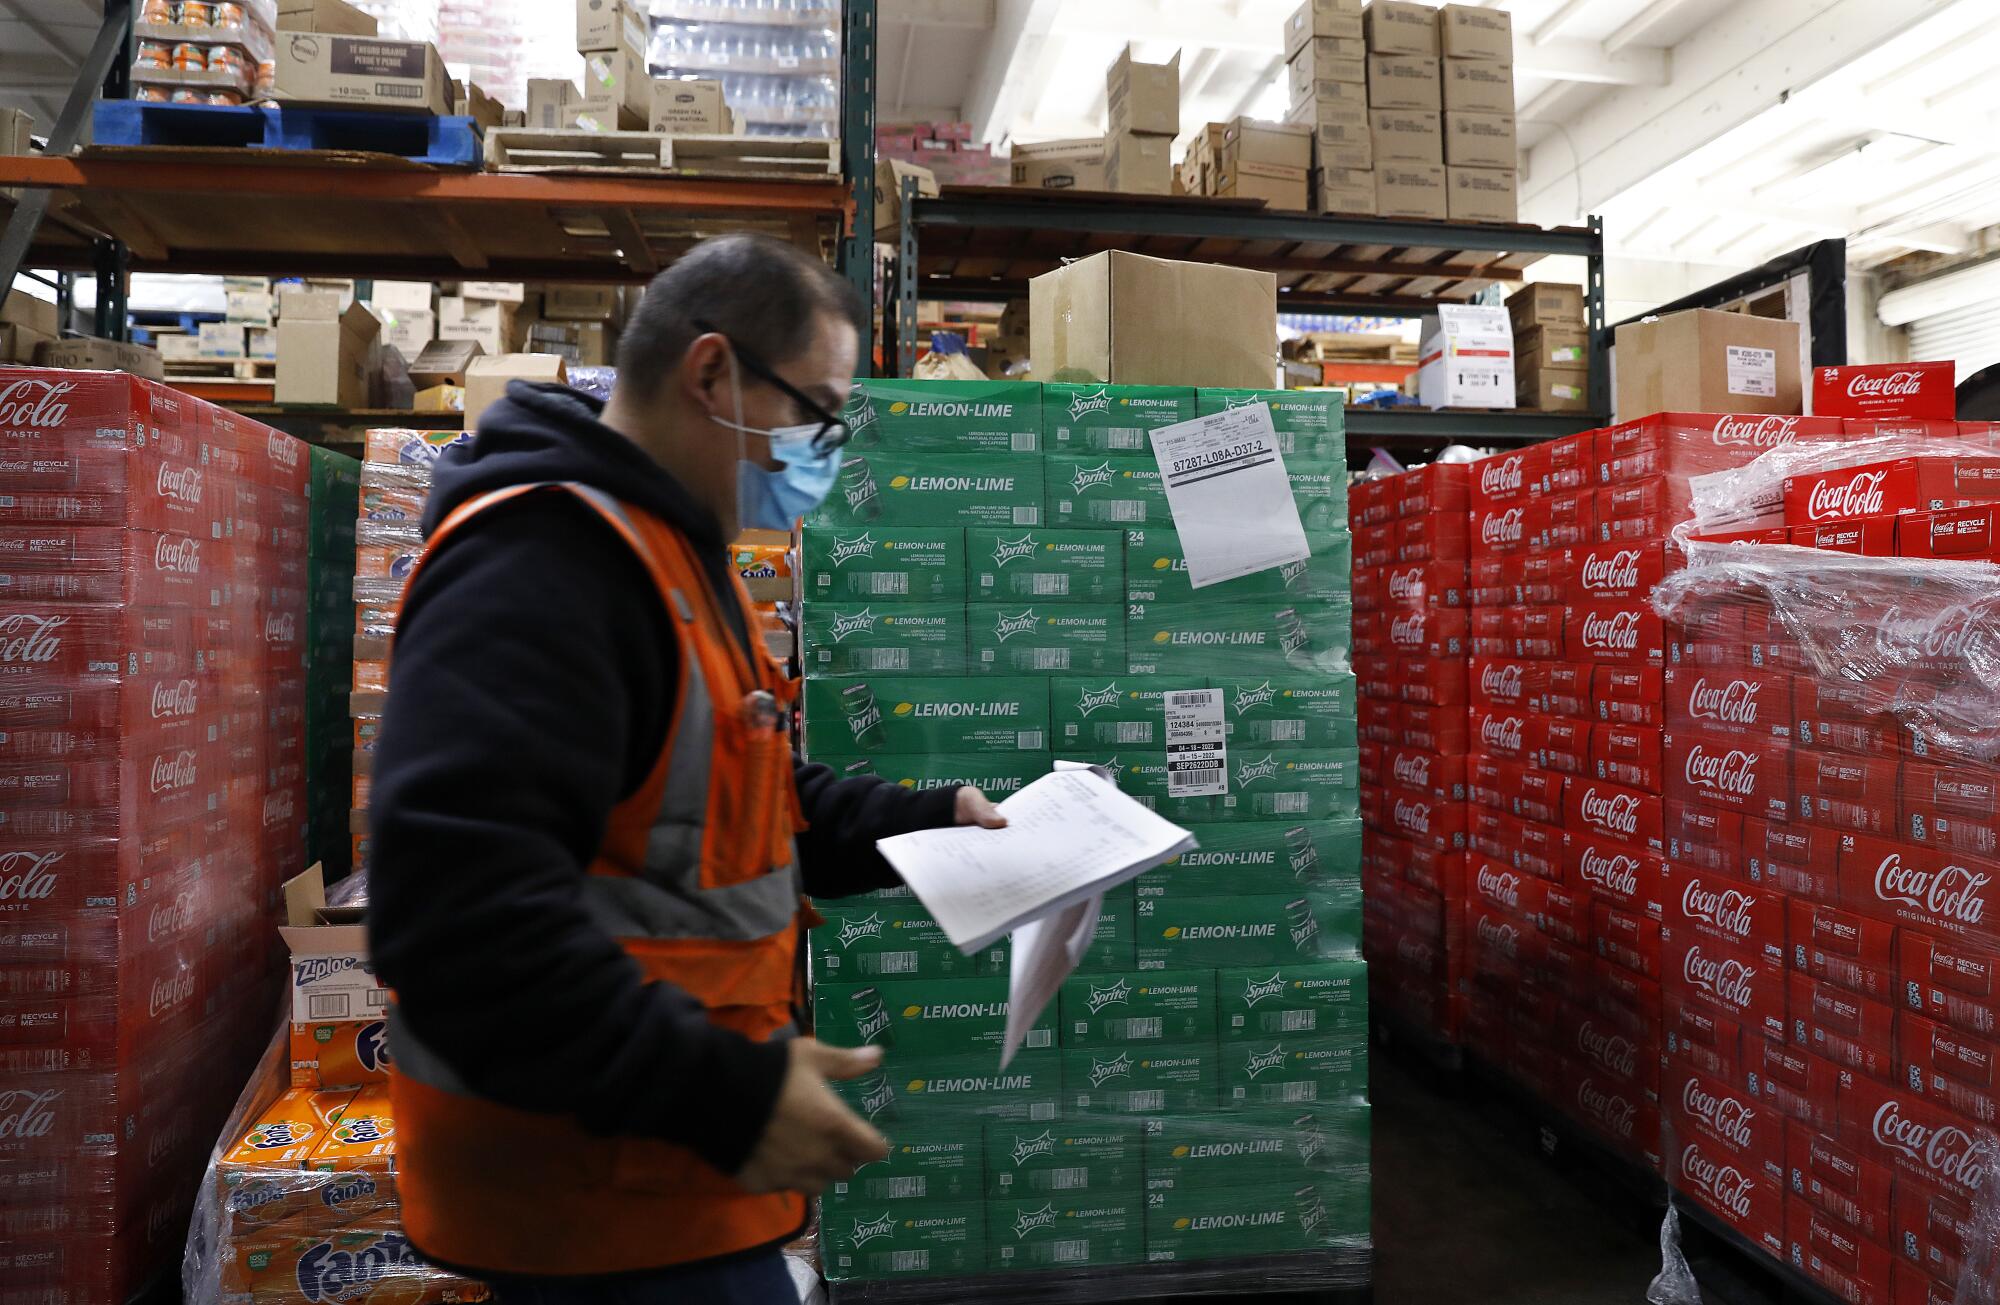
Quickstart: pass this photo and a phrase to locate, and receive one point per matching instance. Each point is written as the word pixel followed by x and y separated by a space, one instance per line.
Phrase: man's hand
pixel 812 1138
pixel 975 809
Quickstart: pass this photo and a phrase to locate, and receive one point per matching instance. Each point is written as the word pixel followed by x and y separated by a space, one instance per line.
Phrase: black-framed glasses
pixel 833 431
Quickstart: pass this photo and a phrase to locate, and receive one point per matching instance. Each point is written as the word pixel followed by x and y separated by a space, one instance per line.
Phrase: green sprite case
pixel 1285 1071
pixel 1139 1080
pixel 923 1017
pixel 1047 566
pixel 1290 712
pixel 1270 1147
pixel 865 939
pixel 1093 418
pixel 1308 423
pixel 945 416
pixel 883 638
pixel 1100 491
pixel 899 714
pixel 865 1240
pixel 940 1163
pixel 1203 1223
pixel 1239 638
pixel 1065 1231
pixel 879 564
pixel 967 1091
pixel 1181 933
pixel 998 774
pixel 1041 638
pixel 1131 1009
pixel 1281 785
pixel 903 487
pixel 1094 1156
pixel 1156 571
pixel 1143 777
pixel 1259 856
pixel 1329 999
pixel 1113 712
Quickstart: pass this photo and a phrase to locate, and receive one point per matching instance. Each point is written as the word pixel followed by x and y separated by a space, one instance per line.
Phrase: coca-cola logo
pixel 1860 496
pixel 278 807
pixel 1405 585
pixel 1615 812
pixel 1613 1111
pixel 1755 432
pixel 1733 703
pixel 1609 1048
pixel 1726 1185
pixel 177 555
pixel 28 876
pixel 1413 816
pixel 167 1140
pixel 1503 886
pixel 1728 981
pixel 172 772
pixel 282 449
pixel 1619 570
pixel 1406 630
pixel 1500 475
pixel 1727 910
pixel 1415 953
pixel 1502 527
pixel 1730 1118
pixel 1615 873
pixel 169 992
pixel 1949 1151
pixel 175 701
pixel 26 1114
pixel 1618 632
pixel 26 639
pixel 179 484
pixel 35 404
pixel 1895 385
pixel 1412 768
pixel 1502 935
pixel 1952 892
pixel 173 917
pixel 280 627
pixel 1733 772
pixel 1502 732
pixel 1954 631
pixel 1501 681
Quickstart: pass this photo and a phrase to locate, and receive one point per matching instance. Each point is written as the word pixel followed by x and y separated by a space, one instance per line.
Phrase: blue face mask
pixel 774 500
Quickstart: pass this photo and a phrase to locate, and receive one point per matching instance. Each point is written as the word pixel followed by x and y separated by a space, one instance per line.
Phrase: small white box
pixel 222 341
pixel 1467 358
pixel 404 296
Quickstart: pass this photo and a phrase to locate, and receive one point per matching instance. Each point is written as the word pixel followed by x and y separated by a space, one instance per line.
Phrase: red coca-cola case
pixel 1512 684
pixel 1446 730
pixel 1532 846
pixel 1627 939
pixel 1629 877
pixel 1565 746
pixel 1569 690
pixel 1967 534
pixel 1428 632
pixel 1425 820
pixel 1953 1068
pixel 1509 477
pixel 1695 1034
pixel 1440 872
pixel 1426 584
pixel 1752 778
pixel 1379 719
pixel 1685 444
pixel 1741 914
pixel 1923 390
pixel 1605 1046
pixel 1854 1268
pixel 1435 538
pixel 1841 1026
pixel 1861 536
pixel 1749 1202
pixel 1431 681
pixel 1494 882
pixel 1374 501
pixel 1375 546
pixel 1563 519
pixel 1627 633
pixel 1516 734
pixel 1839 1181
pixel 1613 811
pixel 1628 755
pixel 1618 572
pixel 1439 488
pixel 1847 792
pixel 1427 773
pixel 1801 1085
pixel 1802 860
pixel 1934 889
pixel 1517 789
pixel 1723 1115
pixel 1733 981
pixel 1955 806
pixel 1932 1229
pixel 1756 703
pixel 1570 461
pixel 1853 951
pixel 1616 1111
pixel 1898 1127
pixel 1950 980
pixel 1644 685
pixel 1499 530
pixel 1889 488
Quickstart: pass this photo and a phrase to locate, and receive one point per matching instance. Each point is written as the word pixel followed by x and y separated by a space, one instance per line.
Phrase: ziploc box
pixel 1305 785
pixel 903 714
pixel 884 564
pixel 865 938
pixel 867 1240
pixel 1111 712
pixel 939 1163
pixel 1082 566
pixel 1181 933
pixel 1092 418
pixel 1142 776
pixel 1156 571
pixel 1116 1009
pixel 1277 1149
pixel 1240 637
pixel 922 1017
pixel 997 774
pixel 965 1090
pixel 945 416
pixel 1086 1157
pixel 1094 489
pixel 894 486
pixel 1301 712
pixel 1201 1223
pixel 1308 423
pixel 1044 638
pixel 1139 1080
pixel 884 638
pixel 1260 856
pixel 1066 1232
pixel 1322 1000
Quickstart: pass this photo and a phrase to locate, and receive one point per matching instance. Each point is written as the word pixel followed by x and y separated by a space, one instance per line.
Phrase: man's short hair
pixel 765 293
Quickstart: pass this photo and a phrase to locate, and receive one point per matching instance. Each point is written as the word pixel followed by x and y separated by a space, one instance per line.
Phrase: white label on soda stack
pixel 1229 495
pixel 1197 763
pixel 1753 371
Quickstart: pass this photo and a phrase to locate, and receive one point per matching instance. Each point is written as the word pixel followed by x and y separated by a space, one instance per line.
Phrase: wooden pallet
pixel 541 149
pixel 754 158
pixel 212 369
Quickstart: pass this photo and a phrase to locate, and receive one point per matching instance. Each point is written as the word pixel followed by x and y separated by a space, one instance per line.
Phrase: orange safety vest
pixel 698 880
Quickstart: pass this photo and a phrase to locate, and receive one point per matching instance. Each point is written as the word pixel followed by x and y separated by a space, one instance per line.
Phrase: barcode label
pixel 1121 510
pixel 1074 1251
pixel 1042 1110
pixel 327 1005
pixel 887 582
pixel 902 1188
pixel 1290 804
pixel 1027 516
pixel 1298 1021
pixel 909 1261
pixel 1141 1101
pixel 1028 740
pixel 1124 437
pixel 1050 584
pixel 1138 1030
pixel 882 659
pixel 1295 1092
pixel 1068 1180
pixel 1288 731
pixel 1196 750
pixel 377 998
pixel 1133 731
pixel 896 963
pixel 1025 441
pixel 1051 659
pixel 1040 1038
pixel 1204 775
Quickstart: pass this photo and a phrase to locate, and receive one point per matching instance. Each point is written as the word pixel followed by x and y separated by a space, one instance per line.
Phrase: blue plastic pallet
pixel 421 138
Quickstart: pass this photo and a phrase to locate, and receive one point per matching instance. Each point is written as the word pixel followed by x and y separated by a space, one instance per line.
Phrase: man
pixel 585 818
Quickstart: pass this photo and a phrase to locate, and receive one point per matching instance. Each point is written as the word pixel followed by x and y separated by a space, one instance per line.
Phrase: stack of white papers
pixel 1071 837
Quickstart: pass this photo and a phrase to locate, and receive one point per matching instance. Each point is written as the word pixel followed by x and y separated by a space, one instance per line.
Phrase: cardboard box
pixel 883 1241
pixel 884 564
pixel 403 296
pixel 605 24
pixel 1344 190
pixel 1467 359
pixel 1067 1234
pixel 1340 19
pixel 898 487
pixel 1038 638
pixel 439 398
pixel 1412 190
pixel 1134 320
pixel 1553 389
pixel 616 82
pixel 1546 303
pixel 1329 93
pixel 1709 361
pixel 925 1017
pixel 488 325
pixel 1136 164
pixel 93 355
pixel 1143 97
pixel 1398 81
pixel 327 362
pixel 486 379
pixel 1000 774
pixel 596 344
pixel 1400 28
pixel 332 17
pixel 1466 32
pixel 550 101
pixel 689 106
pixel 918 417
pixel 890 174
pixel 1342 137
pixel 219 341
pixel 1140 1080
pixel 248 307
pixel 872 937
pixel 903 714
pixel 1015 566
pixel 1285 188
pixel 1480 140
pixel 443 363
pixel 409 333
pixel 1551 346
pixel 581 303
pixel 1406 136
pixel 1475 86
pixel 1341 80
pixel 1075 164
pixel 20 344
pixel 1108 1009
pixel 1481 194
pixel 1277 144
pixel 473 102
pixel 1342 57
pixel 360 70
pixel 23 309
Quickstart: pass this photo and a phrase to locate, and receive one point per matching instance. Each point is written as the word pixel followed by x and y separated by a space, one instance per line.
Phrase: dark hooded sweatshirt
pixel 534 679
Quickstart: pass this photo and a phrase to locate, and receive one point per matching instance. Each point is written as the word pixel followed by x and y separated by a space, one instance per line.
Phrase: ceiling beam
pixel 1182 24
pixel 1587 61
pixel 1020 31
pixel 1551 27
pixel 937 13
pixel 1641 25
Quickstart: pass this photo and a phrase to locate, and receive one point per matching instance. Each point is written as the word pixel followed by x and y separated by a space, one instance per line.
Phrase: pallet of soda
pixel 996 584
pixel 153 567
pixel 334 494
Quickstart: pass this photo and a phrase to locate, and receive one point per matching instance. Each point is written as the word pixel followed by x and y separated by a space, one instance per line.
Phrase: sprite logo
pixel 1252 771
pixel 859 413
pixel 847 549
pixel 1027 1148
pixel 1255 990
pixel 1089 478
pixel 1006 627
pixel 1102 1071
pixel 1262 1060
pixel 1005 551
pixel 1028 1220
pixel 1261 696
pixel 867 1231
pixel 1242 402
pixel 1081 404
pixel 853 623
pixel 1092 699
pixel 855 930
pixel 1118 993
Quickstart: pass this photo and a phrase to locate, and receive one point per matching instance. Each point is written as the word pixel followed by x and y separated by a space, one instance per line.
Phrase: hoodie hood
pixel 551 432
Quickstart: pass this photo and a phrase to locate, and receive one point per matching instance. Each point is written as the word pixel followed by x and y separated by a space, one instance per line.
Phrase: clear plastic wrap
pixel 1189 1117
pixel 779 63
pixel 201 51
pixel 1752 496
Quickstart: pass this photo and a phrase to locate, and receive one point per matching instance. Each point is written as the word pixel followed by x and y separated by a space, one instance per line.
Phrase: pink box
pixel 1926 390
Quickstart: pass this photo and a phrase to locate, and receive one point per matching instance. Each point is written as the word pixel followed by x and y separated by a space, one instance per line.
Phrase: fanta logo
pixel 1090 700
pixel 845 550
pixel 1255 990
pixel 1103 1071
pixel 371 1046
pixel 1006 627
pixel 1755 432
pixel 1028 1148
pixel 1084 478
pixel 1027 1221
pixel 1081 405
pixel 1261 696
pixel 1259 1061
pixel 330 1274
pixel 363 1130
pixel 855 930
pixel 1118 993
pixel 1252 771
pixel 847 623
pixel 865 1232
pixel 1005 551
pixel 35 404
pixel 278 1136
pixel 350 1190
